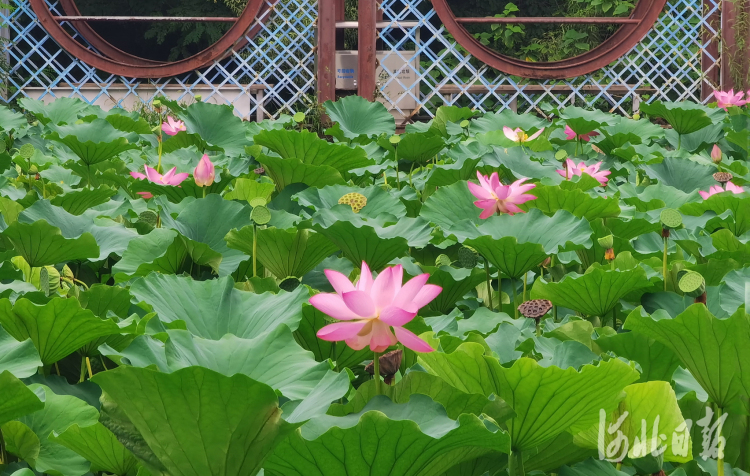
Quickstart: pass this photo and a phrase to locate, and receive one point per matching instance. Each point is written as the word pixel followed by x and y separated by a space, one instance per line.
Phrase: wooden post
pixel 735 54
pixel 710 56
pixel 326 74
pixel 368 34
pixel 340 16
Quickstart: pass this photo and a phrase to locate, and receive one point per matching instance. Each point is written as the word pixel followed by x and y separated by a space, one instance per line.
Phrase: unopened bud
pixel 716 154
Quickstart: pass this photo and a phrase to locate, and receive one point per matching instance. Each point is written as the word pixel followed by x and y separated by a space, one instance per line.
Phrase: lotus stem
pixel 489 285
pixel 83 370
pixel 619 466
pixel 376 373
pixel 702 299
pixel 525 280
pixel 664 264
pixel 88 365
pixel 255 250
pixel 511 464
pixel 398 180
pixel 515 297
pixel 519 466
pixel 101 357
pixel 411 170
pixel 204 192
pixel 720 457
pixel 385 179
pixel 57 368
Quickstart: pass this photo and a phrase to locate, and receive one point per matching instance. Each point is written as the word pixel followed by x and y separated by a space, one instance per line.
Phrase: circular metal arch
pixel 614 47
pixel 121 63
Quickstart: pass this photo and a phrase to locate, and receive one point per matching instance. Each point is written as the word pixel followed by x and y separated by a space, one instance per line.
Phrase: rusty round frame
pixel 115 61
pixel 633 29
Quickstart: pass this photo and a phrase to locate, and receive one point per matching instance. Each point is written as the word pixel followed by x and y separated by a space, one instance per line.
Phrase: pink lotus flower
pixel 204 173
pixel 170 178
pixel 372 307
pixel 518 136
pixel 572 169
pixel 717 189
pixel 716 154
pixel 725 99
pixel 495 197
pixel 172 127
pixel 570 134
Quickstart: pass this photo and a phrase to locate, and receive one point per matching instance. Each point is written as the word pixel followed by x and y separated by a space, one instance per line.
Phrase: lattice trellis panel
pixel 667 60
pixel 281 57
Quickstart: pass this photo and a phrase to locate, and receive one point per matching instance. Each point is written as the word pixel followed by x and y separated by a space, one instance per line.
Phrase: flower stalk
pixel 489 285
pixel 376 375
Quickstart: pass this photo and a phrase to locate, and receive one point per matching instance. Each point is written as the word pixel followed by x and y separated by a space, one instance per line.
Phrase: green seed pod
pixel 257 202
pixel 26 151
pixel 692 284
pixel 198 98
pixel 148 218
pixel 156 103
pixel 395 139
pixel 464 124
pixel 260 215
pixel 467 257
pixel 298 117
pixel 607 242
pixel 636 117
pixel 290 283
pixel 49 280
pixel 442 260
pixel 670 219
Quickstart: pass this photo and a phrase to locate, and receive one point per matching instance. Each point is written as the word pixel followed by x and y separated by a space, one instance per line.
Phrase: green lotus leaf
pixel 554 453
pixel 386 438
pixel 293 252
pixel 57 328
pixel 452 207
pixel 92 142
pixel 79 201
pixel 684 117
pixel 42 244
pixel 17 399
pixel 734 290
pixel 516 244
pixel 208 220
pixel 542 398
pixel 102 299
pixel 713 350
pixel 217 125
pixel 214 308
pixel 19 358
pixel 685 175
pixel 657 361
pixel 30 436
pixel 453 400
pixel 584 122
pixel 551 199
pixel 185 140
pixel 419 147
pixel 196 422
pixel 494 121
pixel 287 171
pixel 448 174
pixel 187 188
pixel 162 250
pixel 361 239
pixel 595 293
pixel 10 210
pixel 11 120
pixel 455 283
pixel 59 111
pixel 309 149
pixel 378 200
pixel 655 404
pixel 356 116
pixel 99 446
pixel 248 189
pixel 591 467
pixel 738 223
pixel 128 122
pixel 111 237
pixel 305 335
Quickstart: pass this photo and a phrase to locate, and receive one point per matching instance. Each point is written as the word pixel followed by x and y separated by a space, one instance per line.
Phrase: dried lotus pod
pixel 389 365
pixel 535 308
pixel 723 177
pixel 355 200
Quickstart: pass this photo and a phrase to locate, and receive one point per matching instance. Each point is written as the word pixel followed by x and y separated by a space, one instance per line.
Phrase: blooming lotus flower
pixel 520 136
pixel 495 197
pixel 717 189
pixel 169 178
pixel 570 134
pixel 572 169
pixel 371 308
pixel 725 99
pixel 716 154
pixel 204 173
pixel 172 127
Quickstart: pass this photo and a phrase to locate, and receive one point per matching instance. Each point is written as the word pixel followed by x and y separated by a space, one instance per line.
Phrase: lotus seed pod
pixel 670 219
pixel 535 308
pixel 355 200
pixel 464 124
pixel 26 151
pixel 607 242
pixel 33 169
pixel 389 365
pixel 467 257
pixel 148 218
pixel 394 139
pixel 156 103
pixel 289 284
pixel 260 215
pixel 442 260
pixel 692 284
pixel 723 177
pixel 636 117
pixel 298 117
pixel 198 97
pixel 257 202
pixel 49 280
pixel 259 171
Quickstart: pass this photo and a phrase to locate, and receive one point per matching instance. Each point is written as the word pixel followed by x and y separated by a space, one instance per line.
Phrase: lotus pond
pixel 195 295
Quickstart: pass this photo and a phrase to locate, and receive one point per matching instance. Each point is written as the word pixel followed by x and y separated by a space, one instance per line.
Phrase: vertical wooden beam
pixel 735 58
pixel 340 16
pixel 326 77
pixel 368 34
pixel 710 64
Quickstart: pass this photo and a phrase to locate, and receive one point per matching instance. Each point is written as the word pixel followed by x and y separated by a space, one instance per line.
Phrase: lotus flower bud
pixel 204 173
pixel 716 154
pixel 547 261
